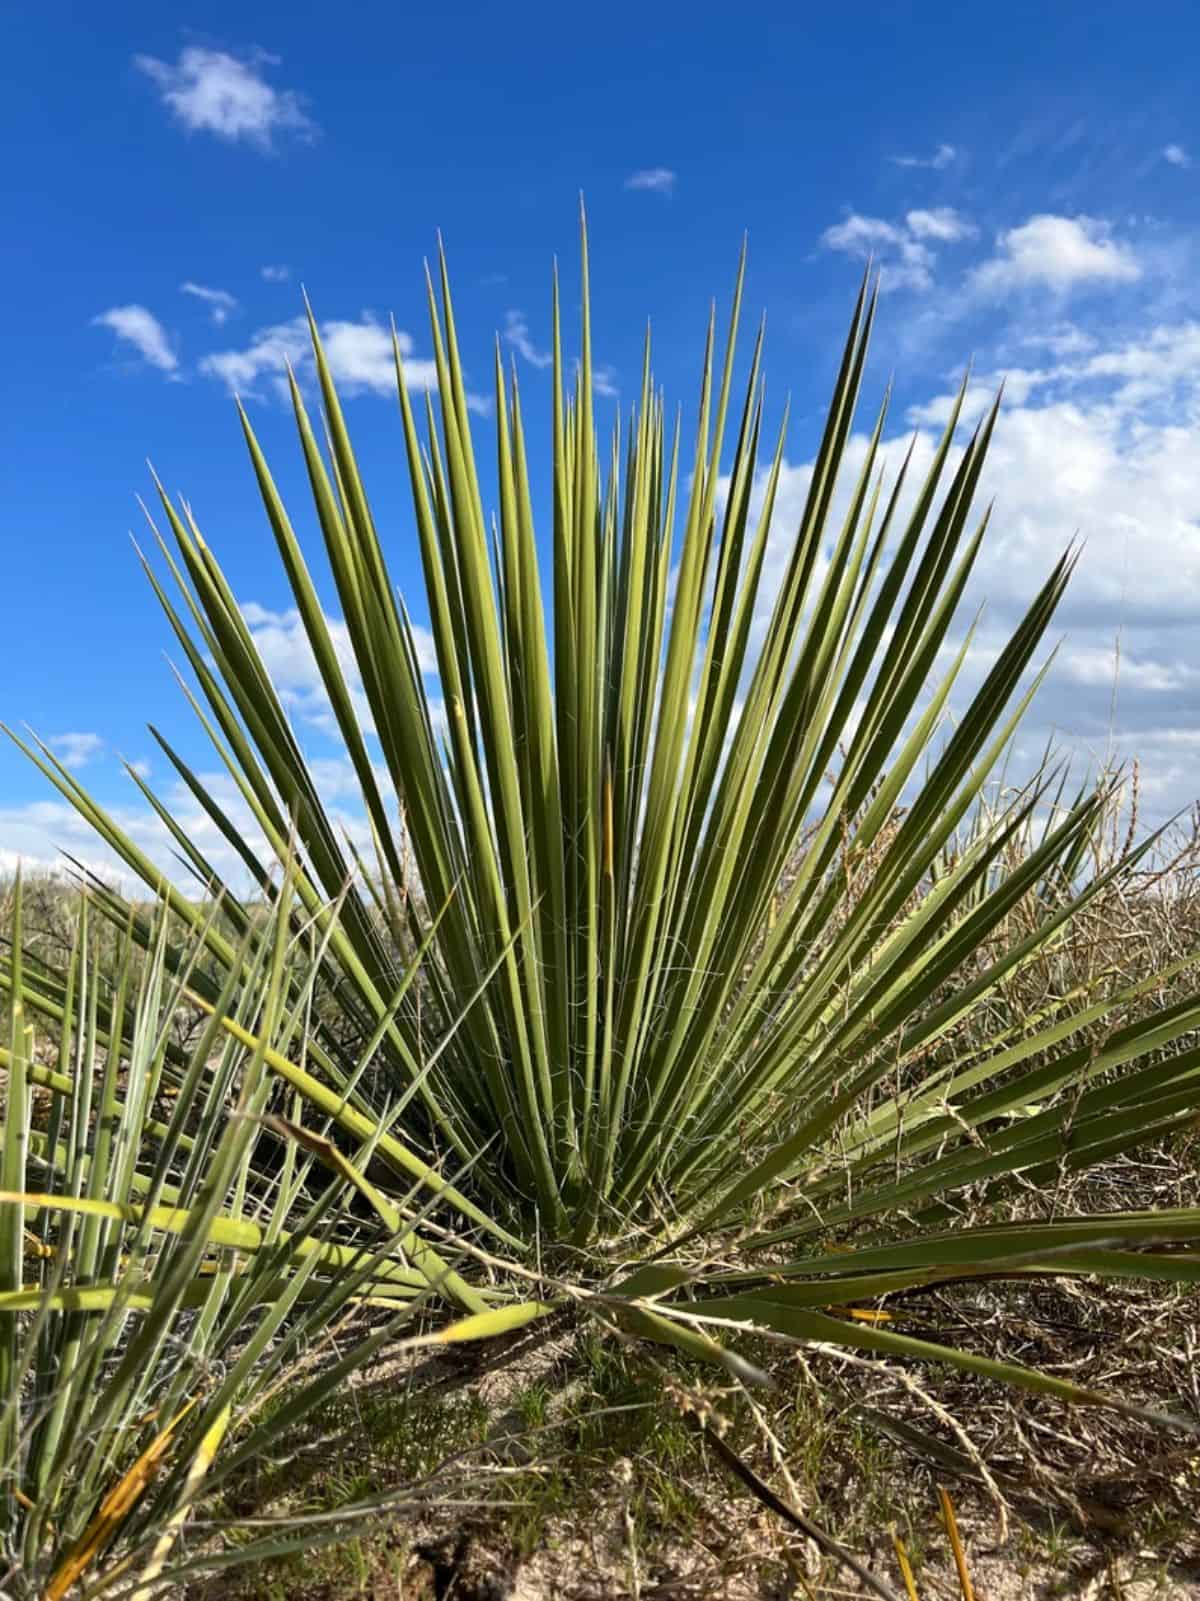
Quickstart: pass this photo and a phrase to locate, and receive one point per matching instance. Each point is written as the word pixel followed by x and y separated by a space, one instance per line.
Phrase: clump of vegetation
pixel 726 944
pixel 184 1268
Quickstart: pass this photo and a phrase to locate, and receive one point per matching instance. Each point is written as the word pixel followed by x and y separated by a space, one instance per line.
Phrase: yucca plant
pixel 186 1257
pixel 715 893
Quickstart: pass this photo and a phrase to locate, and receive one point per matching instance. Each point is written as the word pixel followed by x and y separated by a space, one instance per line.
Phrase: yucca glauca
pixel 183 1267
pixel 700 868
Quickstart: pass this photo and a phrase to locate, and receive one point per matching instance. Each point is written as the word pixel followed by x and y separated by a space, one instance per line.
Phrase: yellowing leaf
pixel 114 1509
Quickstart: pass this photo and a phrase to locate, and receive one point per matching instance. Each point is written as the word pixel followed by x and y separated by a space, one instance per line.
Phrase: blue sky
pixel 1026 176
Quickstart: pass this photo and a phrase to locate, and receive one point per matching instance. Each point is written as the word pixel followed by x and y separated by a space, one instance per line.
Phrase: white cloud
pixel 604 380
pixel 943 223
pixel 39 832
pixel 11 860
pixel 221 304
pixel 905 256
pixel 269 354
pixel 141 329
pixel 211 91
pixel 658 180
pixel 1103 445
pixel 76 750
pixel 1061 339
pixel 1176 155
pixel 359 354
pixel 35 835
pixel 516 331
pixel 936 413
pixel 1097 667
pixel 858 235
pixel 905 263
pixel 282 642
pixel 278 274
pixel 1057 253
pixel 944 156
pixel 1159 368
pixel 1099 447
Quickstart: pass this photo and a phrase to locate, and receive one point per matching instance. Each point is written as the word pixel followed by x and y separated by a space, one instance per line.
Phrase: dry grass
pixel 603 1490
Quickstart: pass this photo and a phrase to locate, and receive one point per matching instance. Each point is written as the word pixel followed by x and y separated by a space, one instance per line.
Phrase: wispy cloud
pixel 1061 340
pixel 76 750
pixel 604 380
pixel 658 180
pixel 903 249
pixel 221 304
pixel 516 332
pixel 211 91
pixel 278 274
pixel 1176 155
pixel 944 156
pixel 943 223
pixel 1057 253
pixel 140 328
pixel 359 354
